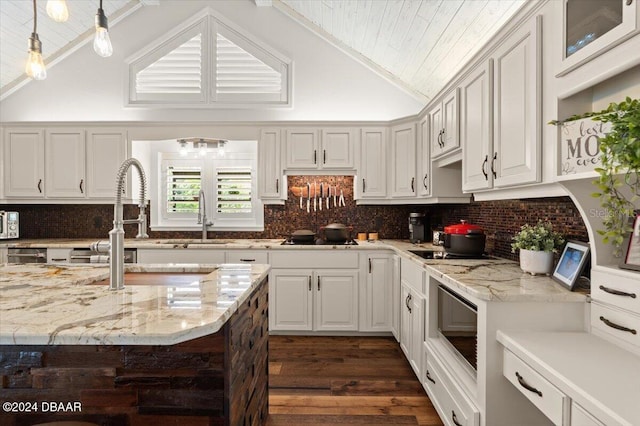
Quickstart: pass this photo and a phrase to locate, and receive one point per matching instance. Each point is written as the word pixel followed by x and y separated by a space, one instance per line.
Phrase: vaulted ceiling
pixel 418 44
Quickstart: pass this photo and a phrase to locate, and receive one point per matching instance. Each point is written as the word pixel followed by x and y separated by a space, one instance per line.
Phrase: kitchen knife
pixel 328 196
pixel 321 194
pixel 301 206
pixel 335 193
pixel 308 197
pixel 315 196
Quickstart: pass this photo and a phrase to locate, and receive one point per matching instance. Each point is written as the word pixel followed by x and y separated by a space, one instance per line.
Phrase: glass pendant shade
pixel 58 10
pixel 102 42
pixel 35 65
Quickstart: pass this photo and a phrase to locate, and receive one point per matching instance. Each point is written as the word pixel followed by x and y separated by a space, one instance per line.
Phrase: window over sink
pixel 229 183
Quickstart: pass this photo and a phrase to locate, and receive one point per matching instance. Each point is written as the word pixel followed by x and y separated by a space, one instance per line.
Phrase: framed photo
pixel 631 259
pixel 571 263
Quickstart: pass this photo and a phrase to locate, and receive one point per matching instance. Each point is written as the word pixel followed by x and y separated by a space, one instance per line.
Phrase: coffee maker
pixel 418 228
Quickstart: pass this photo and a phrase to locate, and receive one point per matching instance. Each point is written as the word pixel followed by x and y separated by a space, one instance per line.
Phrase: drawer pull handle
pixel 617 292
pixel 618 327
pixel 527 386
pixel 455 419
pixel 429 378
pixel 247 260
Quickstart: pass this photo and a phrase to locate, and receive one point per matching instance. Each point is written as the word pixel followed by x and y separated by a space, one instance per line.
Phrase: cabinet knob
pixel 424 182
pixel 618 326
pixel 309 282
pixel 369 265
pixel 493 167
pixel 40 186
pixel 413 181
pixel 454 419
pixel 324 156
pixel 318 282
pixel 81 186
pixel 277 185
pixel 484 165
pixel 315 157
pixel 429 378
pixel 526 385
pixel 364 186
pixel 617 292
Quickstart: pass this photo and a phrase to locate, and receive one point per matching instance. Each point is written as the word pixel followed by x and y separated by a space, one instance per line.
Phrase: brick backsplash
pixel 500 219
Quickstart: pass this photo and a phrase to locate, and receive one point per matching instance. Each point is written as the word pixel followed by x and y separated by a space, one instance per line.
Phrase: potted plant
pixel 618 183
pixel 537 244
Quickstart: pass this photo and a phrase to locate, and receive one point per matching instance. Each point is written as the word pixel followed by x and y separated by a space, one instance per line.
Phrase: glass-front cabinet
pixel 593 26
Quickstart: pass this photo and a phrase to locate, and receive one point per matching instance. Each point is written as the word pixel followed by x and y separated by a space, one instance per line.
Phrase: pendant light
pixel 101 42
pixel 58 10
pixel 35 65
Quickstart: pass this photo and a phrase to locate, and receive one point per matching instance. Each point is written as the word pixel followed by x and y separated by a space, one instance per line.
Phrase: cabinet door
pixel 337 148
pixel 424 177
pixel 417 332
pixel 270 164
pixel 581 417
pixel 373 163
pixel 377 297
pixel 475 129
pixel 435 124
pixel 336 304
pixel 302 148
pixel 65 169
pixel 406 324
pixel 290 300
pixel 395 298
pixel 516 115
pixel 403 143
pixel 450 134
pixel 106 150
pixel 24 163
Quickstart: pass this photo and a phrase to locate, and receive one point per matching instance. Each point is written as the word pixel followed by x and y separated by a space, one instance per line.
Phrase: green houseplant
pixel 537 244
pixel 618 183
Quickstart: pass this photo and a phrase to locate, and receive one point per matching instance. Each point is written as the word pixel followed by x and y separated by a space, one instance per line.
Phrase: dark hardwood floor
pixel 344 380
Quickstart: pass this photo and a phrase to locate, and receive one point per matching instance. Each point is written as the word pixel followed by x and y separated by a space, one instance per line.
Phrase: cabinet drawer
pixel 289 258
pixel 615 322
pixel 244 256
pixel 536 388
pixel 412 274
pixel 453 407
pixel 581 417
pixel 616 290
pixel 180 256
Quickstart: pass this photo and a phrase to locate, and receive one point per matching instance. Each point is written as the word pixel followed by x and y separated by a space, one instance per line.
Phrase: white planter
pixel 536 262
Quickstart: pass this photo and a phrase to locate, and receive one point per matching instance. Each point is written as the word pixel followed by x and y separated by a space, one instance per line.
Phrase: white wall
pixel 327 85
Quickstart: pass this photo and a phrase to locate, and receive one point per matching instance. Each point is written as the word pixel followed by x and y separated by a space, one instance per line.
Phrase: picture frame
pixel 631 257
pixel 571 264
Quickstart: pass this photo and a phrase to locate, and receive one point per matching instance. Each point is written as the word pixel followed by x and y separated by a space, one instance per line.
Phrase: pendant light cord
pixel 35 16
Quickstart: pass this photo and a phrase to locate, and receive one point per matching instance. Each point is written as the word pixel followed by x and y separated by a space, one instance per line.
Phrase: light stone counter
pixel 490 279
pixel 53 304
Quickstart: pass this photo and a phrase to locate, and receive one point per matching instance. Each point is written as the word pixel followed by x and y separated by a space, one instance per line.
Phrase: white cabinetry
pixel 373 163
pixel 63 164
pixel 326 282
pixel 475 128
pixel 412 321
pixel 270 165
pixel 65 168
pixel 424 175
pixel 376 293
pixel 24 163
pixel 517 104
pixel 106 151
pixel 326 149
pixel 443 120
pixel 610 22
pixel 247 256
pixel 403 160
pixel 500 115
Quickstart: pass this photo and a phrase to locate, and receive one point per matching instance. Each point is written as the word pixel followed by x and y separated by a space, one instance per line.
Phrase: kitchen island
pixel 184 351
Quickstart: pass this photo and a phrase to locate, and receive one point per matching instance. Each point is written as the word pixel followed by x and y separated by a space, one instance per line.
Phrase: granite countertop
pixel 490 279
pixel 44 304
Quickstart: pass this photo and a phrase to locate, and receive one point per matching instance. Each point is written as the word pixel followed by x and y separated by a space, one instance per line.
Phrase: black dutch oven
pixel 464 239
pixel 337 232
pixel 302 236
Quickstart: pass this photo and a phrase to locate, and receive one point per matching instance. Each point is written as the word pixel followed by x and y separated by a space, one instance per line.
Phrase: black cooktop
pixel 318 242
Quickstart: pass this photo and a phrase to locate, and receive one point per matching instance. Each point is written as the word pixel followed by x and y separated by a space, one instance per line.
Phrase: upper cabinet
pixel 443 121
pixel 593 27
pixel 326 149
pixel 270 165
pixel 424 172
pixel 372 182
pixel 403 160
pixel 24 163
pixel 500 115
pixel 61 164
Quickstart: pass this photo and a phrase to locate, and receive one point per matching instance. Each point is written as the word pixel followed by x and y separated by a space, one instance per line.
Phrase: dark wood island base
pixel 218 379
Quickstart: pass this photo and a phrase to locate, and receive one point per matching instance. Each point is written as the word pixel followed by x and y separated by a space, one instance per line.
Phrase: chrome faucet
pixel 116 235
pixel 202 214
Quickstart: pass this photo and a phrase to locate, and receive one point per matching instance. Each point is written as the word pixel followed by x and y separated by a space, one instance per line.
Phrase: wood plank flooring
pixel 344 381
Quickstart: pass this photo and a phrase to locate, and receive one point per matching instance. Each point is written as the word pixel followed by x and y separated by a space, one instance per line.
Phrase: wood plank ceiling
pixel 420 44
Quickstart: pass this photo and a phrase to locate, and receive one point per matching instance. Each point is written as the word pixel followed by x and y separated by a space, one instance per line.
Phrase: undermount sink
pixel 427 254
pixel 174 279
pixel 193 241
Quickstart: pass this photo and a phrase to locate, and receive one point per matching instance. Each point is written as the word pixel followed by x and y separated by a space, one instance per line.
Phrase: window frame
pixel 209 23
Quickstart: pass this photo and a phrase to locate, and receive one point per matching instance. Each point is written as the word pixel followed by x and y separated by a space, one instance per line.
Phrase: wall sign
pixel 580 145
